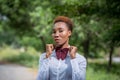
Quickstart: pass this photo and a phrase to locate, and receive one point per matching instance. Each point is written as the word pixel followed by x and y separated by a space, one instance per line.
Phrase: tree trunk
pixel 110 57
pixel 43 43
pixel 86 45
pixel 86 48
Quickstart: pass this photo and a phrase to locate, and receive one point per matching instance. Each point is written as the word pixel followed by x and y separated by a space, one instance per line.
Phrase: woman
pixel 61 61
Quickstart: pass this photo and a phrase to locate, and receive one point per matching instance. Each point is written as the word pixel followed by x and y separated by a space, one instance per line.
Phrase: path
pixel 16 72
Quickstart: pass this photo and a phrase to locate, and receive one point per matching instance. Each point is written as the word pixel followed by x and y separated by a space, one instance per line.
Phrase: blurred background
pixel 26 26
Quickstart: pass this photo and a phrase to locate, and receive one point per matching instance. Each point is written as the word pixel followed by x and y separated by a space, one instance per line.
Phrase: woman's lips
pixel 56 40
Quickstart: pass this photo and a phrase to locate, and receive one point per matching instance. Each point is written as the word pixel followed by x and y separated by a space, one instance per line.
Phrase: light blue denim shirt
pixel 67 69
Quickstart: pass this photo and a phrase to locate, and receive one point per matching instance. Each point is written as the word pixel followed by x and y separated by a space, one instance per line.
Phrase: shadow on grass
pixel 115 69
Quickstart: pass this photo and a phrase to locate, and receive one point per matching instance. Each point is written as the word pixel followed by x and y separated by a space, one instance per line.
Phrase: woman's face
pixel 60 33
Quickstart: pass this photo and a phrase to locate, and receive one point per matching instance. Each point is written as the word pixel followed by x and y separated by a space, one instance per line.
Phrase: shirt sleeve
pixel 43 72
pixel 78 68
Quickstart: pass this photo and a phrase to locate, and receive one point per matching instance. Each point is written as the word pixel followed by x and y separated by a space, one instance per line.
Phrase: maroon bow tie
pixel 61 53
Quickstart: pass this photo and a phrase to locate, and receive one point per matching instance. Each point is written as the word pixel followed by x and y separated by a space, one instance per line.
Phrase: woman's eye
pixel 61 31
pixel 53 32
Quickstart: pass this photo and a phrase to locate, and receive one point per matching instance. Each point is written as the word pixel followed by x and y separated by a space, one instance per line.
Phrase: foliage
pixel 16 14
pixel 28 23
pixel 7 52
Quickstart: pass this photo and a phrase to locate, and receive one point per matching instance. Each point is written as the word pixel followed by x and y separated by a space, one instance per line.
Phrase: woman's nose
pixel 56 34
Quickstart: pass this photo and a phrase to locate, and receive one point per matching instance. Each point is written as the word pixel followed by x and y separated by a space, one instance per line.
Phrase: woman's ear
pixel 69 33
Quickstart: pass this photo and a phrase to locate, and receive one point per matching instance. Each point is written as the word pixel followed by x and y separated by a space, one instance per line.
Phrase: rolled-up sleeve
pixel 79 68
pixel 43 72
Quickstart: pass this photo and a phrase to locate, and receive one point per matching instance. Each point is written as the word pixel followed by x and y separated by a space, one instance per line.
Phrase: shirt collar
pixel 54 53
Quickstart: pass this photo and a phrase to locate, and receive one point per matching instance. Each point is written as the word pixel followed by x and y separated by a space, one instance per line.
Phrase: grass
pixel 96 70
pixel 26 59
pixel 29 58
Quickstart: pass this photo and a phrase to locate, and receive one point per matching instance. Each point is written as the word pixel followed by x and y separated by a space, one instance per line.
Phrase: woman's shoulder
pixel 80 57
pixel 43 55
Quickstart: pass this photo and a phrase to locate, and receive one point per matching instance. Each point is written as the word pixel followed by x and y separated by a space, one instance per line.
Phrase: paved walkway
pixel 16 72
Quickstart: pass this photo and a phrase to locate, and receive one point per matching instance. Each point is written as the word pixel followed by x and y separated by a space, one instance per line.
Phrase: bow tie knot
pixel 61 53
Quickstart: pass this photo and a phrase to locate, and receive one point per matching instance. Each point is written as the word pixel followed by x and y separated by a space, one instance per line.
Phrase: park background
pixel 25 28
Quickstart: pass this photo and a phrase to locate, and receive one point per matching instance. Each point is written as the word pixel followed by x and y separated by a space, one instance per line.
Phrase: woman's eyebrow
pixel 60 29
pixel 57 29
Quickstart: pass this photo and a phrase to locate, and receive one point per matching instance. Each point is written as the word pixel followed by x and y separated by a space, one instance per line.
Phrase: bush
pixel 29 58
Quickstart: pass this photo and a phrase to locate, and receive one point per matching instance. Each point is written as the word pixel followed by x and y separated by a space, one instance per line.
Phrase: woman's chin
pixel 58 44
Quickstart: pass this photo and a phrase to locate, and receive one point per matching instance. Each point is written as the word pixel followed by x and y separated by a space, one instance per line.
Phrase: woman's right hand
pixel 49 49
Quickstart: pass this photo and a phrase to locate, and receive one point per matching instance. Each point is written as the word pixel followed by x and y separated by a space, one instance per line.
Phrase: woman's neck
pixel 65 45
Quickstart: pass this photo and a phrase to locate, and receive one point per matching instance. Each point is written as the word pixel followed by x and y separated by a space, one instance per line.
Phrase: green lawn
pixel 98 71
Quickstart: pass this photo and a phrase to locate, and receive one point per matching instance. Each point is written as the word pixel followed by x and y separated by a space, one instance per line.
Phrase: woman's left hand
pixel 73 51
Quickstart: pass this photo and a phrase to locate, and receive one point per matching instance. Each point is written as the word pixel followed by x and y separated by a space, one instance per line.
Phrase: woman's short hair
pixel 66 20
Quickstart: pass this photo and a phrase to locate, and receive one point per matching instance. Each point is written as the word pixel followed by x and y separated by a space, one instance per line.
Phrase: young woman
pixel 61 60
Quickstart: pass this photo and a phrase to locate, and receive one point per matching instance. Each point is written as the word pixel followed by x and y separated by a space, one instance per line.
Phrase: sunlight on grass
pixel 28 58
pixel 8 52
